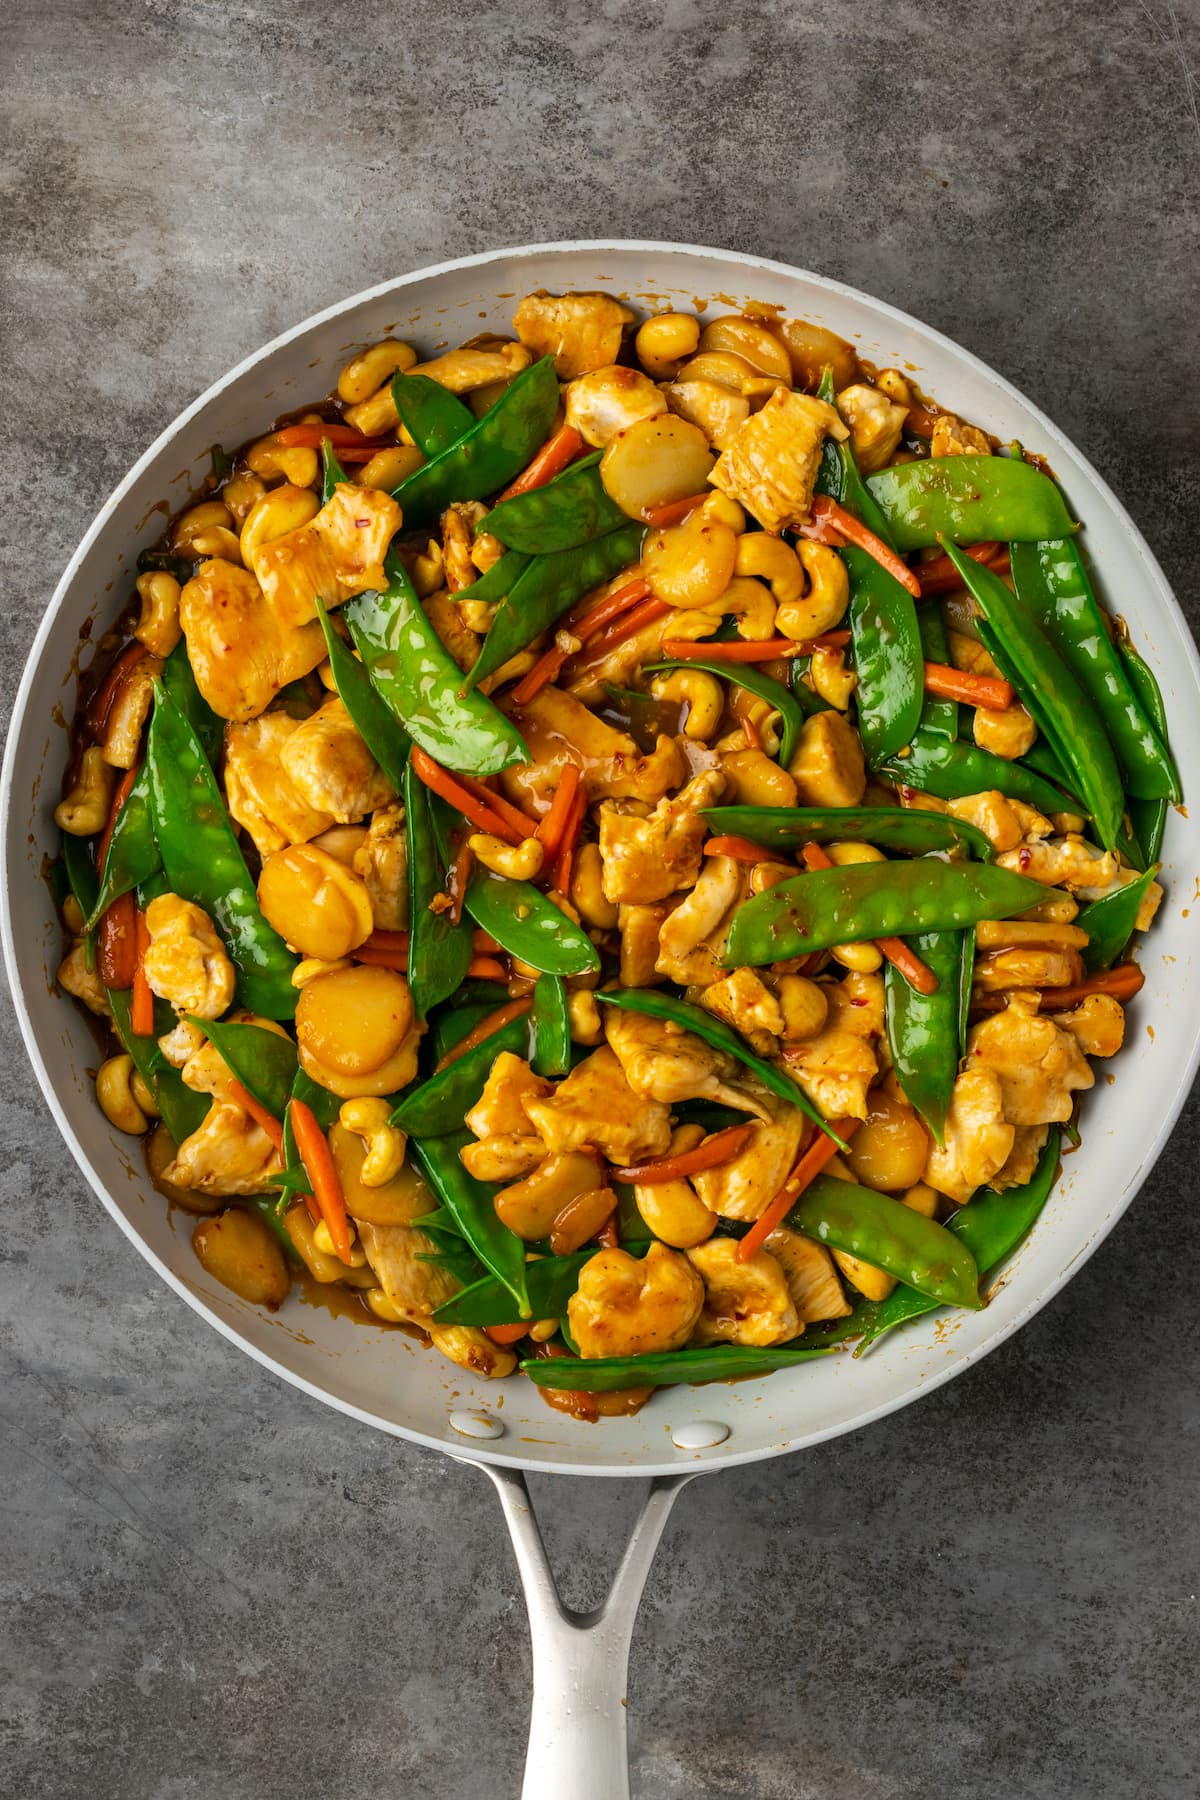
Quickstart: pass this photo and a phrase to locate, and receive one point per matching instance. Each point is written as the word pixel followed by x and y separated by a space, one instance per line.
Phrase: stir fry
pixel 616 848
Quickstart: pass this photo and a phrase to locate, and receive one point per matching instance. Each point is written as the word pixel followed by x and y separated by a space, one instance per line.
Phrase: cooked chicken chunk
pixel 75 978
pixel 812 1282
pixel 336 555
pixel 978 1137
pixel 1028 1143
pixel 647 857
pixel 1069 862
pixel 952 438
pixel 559 729
pixel 462 371
pixel 630 1307
pixel 1009 733
pixel 240 654
pixel 744 1001
pixel 693 932
pixel 876 424
pixel 664 1062
pixel 857 1004
pixel 596 1105
pixel 186 962
pixel 743 1187
pixel 828 766
pixel 259 790
pixel 414 1287
pixel 1098 1026
pixel 382 862
pixel 1026 967
pixel 499 1110
pixel 744 1302
pixel 228 1154
pixel 994 814
pixel 580 331
pixel 1039 1065
pixel 770 467
pixel 331 767
pixel 835 1069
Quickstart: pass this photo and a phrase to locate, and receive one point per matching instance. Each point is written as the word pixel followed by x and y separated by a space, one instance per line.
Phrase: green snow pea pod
pixel 550 1029
pixel 667 1368
pixel 991 1227
pixel 440 1104
pixel 714 1031
pixel 204 863
pixel 438 949
pixel 133 856
pixel 969 499
pixel 792 712
pixel 182 1110
pixel 887 656
pixel 935 765
pixel 468 1010
pixel 496 583
pixel 433 416
pixel 179 680
pixel 938 716
pixel 562 514
pixel 375 722
pixel 80 871
pixel 808 700
pixel 500 1250
pixel 890 1236
pixel 925 1030
pixel 1039 757
pixel 1053 587
pixel 528 925
pixel 1051 692
pixel 419 680
pixel 1148 817
pixel 839 475
pixel 550 1282
pixel 873 900
pixel 889 827
pixel 546 589
pixel 490 454
pixel 264 1062
pixel 1110 922
pixel 332 472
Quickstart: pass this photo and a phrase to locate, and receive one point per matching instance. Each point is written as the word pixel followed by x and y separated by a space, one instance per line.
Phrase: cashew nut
pixel 725 511
pixel 587 1027
pixel 158 622
pixel 831 678
pixel 115 1094
pixel 310 968
pixel 363 374
pixel 297 464
pixel 388 468
pixel 751 604
pixel 71 914
pixel 827 598
pixel 587 889
pixel 323 1241
pixel 774 562
pixel 700 692
pixel 240 493
pixel 663 341
pixel 206 530
pixel 385 1142
pixel 427 569
pixel 129 712
pixel 85 809
pixel 284 509
pixel 519 862
pixel 751 340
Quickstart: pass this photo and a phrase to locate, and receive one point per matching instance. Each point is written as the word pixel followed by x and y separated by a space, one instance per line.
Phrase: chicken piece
pixel 559 729
pixel 993 814
pixel 639 927
pixel 876 424
pixel 1028 1144
pixel 75 978
pixel 835 1069
pixel 1069 862
pixel 1009 733
pixel 463 371
pixel 1038 1063
pixel 952 438
pixel 580 331
pixel 856 1004
pixel 331 767
pixel 204 1069
pixel 716 409
pixel 608 400
pixel 771 465
pixel 471 1348
pixel 812 1281
pixel 693 932
pixel 499 1110
pixel 413 1286
pixel 744 1001
pixel 744 1302
pixel 181 1042
pixel 259 790
pixel 186 962
pixel 828 766
pixel 662 1061
pixel 227 1154
pixel 446 616
pixel 978 1137
pixel 1098 1026
pixel 382 862
pixel 744 1187
pixel 1027 967
pixel 630 1307
pixel 967 653
pixel 646 857
pixel 338 554
pixel 459 523
pixel 240 654
pixel 596 1105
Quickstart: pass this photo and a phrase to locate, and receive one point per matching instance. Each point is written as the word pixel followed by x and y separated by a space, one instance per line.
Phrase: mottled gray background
pixel 213 1588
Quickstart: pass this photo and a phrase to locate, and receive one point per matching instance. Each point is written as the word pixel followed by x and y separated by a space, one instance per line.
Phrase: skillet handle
pixel 580 1660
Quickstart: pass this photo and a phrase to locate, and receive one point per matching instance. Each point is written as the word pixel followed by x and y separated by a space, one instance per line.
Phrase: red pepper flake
pixel 1025 856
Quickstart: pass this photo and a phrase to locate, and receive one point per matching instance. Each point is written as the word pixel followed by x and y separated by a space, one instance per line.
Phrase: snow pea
pixel 204 863
pixel 807 698
pixel 469 1202
pixel 1040 757
pixel 666 1368
pixel 550 1283
pixel 564 513
pixel 440 1104
pixel 1051 692
pixel 418 679
pixel 839 476
pixel 938 716
pixel 183 1111
pixel 438 948
pixel 433 417
pixel 491 453
pixel 332 472
pixel 887 656
pixel 179 680
pixel 550 1028
pixel 133 856
pixel 792 712
pixel 374 720
pixel 528 925
pixel 1148 817
pixel 890 1236
pixel 934 765
pixel 925 1030
pixel 546 589
pixel 889 827
pixel 1110 922
pixel 1052 585
pixel 496 583
pixel 80 870
pixel 264 1062
pixel 714 1031
pixel 873 900
pixel 969 499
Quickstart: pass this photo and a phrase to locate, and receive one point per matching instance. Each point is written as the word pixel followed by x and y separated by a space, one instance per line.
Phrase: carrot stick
pixel 633 622
pixel 543 672
pixel 458 875
pixel 116 943
pixel 310 434
pixel 973 690
pixel 141 1011
pixel 564 861
pixel 721 1148
pixel 917 973
pixel 258 1112
pixel 740 651
pixel 585 627
pixel 101 703
pixel 940 572
pixel 1122 983
pixel 741 849
pixel 118 800
pixel 486 1028
pixel 381 959
pixel 550 831
pixel 827 511
pixel 508 1334
pixel 386 940
pixel 608 1235
pixel 480 814
pixel 670 512
pixel 320 1169
pixel 751 733
pixel 519 821
pixel 550 461
pixel 486 968
pixel 819 1152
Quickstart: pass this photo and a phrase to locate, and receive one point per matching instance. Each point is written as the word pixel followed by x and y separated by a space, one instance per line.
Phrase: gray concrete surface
pixel 213 1589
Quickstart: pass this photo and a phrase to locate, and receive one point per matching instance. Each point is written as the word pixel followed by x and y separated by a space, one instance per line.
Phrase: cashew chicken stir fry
pixel 616 846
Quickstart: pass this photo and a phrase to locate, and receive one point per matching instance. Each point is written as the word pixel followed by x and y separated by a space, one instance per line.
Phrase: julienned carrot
pixel 585 626
pixel 310 434
pixel 100 704
pixel 550 831
pixel 543 672
pixel 1122 983
pixel 486 1028
pixel 634 621
pixel 720 1148
pixel 550 461
pixel 741 849
pixel 670 512
pixel 469 805
pixel 751 733
pixel 565 860
pixel 381 959
pixel 920 421
pixel 457 877
pixel 508 1334
pixel 827 511
pixel 608 1236
pixel 118 800
pixel 989 691
pixel 819 1152
pixel 740 650
pixel 258 1112
pixel 486 968
pixel 939 572
pixel 141 1010
pixel 387 940
pixel 519 821
pixel 116 943
pixel 319 1166
pixel 917 973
